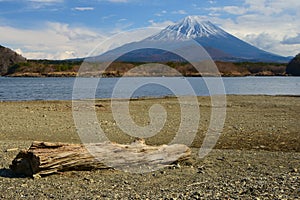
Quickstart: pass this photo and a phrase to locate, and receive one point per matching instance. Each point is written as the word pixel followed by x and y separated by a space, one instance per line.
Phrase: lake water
pixel 16 89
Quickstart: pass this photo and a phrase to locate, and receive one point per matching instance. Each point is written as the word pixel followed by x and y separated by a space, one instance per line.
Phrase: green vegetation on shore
pixel 44 68
pixel 13 64
pixel 48 68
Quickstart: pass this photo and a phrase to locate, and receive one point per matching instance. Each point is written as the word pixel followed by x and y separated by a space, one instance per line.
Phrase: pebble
pixel 12 149
pixel 221 180
pixel 294 170
pixel 222 158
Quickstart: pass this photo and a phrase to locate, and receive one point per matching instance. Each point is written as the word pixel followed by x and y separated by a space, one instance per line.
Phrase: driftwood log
pixel 44 158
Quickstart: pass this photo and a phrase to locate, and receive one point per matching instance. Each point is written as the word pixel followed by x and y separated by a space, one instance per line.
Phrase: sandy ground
pixel 256 157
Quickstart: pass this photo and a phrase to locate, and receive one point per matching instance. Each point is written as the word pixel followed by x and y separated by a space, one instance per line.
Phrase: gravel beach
pixel 256 157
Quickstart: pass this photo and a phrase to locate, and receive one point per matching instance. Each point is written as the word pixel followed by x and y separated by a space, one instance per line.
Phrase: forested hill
pixel 9 58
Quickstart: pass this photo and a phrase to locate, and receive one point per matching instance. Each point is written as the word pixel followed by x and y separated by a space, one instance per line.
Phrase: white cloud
pixel 161 13
pixel 263 40
pixel 235 10
pixel 55 41
pixel 263 32
pixel 122 20
pixel 121 26
pixel 266 24
pixel 125 37
pixel 39 4
pixel 269 7
pixel 292 40
pixel 83 8
pixel 180 12
pixel 107 17
pixel 272 25
pixel 62 41
pixel 160 24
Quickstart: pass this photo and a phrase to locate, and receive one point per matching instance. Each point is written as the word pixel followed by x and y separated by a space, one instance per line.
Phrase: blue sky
pixel 58 29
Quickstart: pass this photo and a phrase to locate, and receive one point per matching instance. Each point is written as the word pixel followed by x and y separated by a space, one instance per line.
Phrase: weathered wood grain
pixel 44 158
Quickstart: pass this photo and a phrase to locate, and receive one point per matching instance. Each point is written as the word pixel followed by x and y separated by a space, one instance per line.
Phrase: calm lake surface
pixel 17 89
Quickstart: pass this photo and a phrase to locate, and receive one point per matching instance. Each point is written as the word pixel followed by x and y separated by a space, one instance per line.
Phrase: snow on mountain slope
pixel 190 27
pixel 219 44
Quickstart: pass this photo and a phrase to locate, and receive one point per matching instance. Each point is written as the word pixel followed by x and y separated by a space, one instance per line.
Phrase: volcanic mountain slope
pixel 218 43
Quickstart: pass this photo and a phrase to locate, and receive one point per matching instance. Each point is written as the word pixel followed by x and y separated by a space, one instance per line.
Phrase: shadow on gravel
pixel 8 173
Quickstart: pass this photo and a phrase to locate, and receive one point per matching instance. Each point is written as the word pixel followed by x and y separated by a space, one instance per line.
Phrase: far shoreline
pixel 143 98
pixel 26 75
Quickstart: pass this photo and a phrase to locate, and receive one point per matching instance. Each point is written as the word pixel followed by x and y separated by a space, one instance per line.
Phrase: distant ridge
pixel 220 45
pixel 8 58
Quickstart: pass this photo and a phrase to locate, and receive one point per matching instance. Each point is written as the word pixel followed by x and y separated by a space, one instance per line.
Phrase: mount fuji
pixel 219 44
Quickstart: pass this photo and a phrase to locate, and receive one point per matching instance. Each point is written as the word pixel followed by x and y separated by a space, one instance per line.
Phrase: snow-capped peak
pixel 190 27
